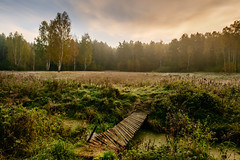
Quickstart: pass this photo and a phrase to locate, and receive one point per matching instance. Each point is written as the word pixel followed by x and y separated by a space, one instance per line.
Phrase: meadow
pixel 49 115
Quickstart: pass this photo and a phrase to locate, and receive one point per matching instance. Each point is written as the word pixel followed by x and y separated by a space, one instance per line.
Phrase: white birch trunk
pixel 48 64
pixel 60 59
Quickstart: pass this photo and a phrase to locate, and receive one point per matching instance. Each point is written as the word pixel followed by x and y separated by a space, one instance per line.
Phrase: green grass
pixel 70 104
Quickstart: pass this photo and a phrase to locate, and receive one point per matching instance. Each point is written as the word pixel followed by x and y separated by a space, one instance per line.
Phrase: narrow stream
pixel 151 138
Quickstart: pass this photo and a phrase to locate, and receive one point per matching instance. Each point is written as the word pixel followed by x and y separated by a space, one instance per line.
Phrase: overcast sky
pixel 113 21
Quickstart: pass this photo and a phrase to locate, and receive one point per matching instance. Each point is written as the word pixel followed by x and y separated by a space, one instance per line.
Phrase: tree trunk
pixel 19 56
pixel 224 62
pixel 15 56
pixel 74 64
pixel 33 61
pixel 47 68
pixel 188 63
pixel 235 63
pixel 59 65
pixel 48 64
pixel 19 60
pixel 60 59
pixel 229 57
pixel 85 64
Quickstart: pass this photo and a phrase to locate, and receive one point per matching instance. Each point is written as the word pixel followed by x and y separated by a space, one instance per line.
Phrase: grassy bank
pixel 48 115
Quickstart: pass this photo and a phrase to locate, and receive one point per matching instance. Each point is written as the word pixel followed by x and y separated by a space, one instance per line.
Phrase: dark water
pixel 147 138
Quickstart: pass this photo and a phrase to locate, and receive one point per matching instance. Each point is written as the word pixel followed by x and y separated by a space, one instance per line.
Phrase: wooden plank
pixel 127 131
pixel 136 119
pixel 135 124
pixel 129 123
pixel 121 133
pixel 115 138
pixel 131 134
pixel 128 126
pixel 111 143
pixel 141 116
pixel 95 141
pixel 119 136
pixel 100 139
pixel 103 139
pixel 124 133
pixel 111 136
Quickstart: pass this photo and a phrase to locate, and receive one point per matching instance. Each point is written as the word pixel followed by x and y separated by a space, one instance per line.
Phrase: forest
pixel 57 49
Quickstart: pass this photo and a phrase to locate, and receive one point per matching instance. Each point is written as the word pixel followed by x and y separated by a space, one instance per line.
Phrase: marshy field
pixel 50 115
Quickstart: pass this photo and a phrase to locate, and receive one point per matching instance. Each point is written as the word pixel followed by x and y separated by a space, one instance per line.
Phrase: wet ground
pixel 146 138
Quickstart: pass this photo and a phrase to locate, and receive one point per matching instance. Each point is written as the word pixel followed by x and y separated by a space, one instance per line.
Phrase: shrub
pixel 57 149
pixel 109 155
pixel 19 127
pixel 61 150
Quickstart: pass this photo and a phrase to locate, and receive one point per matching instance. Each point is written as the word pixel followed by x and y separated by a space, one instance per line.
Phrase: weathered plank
pixel 118 137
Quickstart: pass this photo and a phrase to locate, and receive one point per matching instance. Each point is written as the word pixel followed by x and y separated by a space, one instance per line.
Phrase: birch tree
pixel 18 50
pixel 74 51
pixel 59 35
pixel 86 51
pixel 231 37
pixel 42 44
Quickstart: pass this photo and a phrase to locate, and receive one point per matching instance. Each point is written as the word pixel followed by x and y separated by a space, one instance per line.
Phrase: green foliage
pixel 58 39
pixel 58 149
pixel 88 102
pixel 198 104
pixel 61 151
pixel 109 155
pixel 193 143
pixel 18 51
pixel 79 132
pixel 218 106
pixel 85 50
pixel 19 127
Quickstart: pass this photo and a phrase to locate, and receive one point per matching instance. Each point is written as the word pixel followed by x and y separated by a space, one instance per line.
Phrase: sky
pixel 113 21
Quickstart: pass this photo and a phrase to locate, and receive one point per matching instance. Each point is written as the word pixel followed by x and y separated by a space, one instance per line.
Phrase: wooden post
pixel 92 133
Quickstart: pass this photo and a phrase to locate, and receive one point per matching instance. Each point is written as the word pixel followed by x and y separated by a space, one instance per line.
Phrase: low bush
pixel 19 127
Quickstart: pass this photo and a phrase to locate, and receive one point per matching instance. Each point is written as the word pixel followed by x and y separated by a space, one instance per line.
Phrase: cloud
pixel 28 34
pixel 156 19
pixel 26 16
pixel 113 21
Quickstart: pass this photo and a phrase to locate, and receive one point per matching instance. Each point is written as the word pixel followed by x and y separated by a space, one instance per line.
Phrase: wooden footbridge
pixel 117 137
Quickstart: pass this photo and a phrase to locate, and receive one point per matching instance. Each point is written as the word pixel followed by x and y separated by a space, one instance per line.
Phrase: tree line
pixel 56 49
